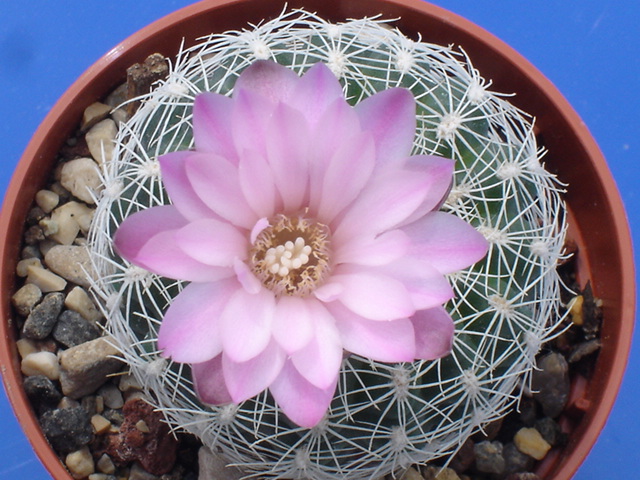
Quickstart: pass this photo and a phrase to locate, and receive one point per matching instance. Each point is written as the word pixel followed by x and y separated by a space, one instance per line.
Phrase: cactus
pixel 384 417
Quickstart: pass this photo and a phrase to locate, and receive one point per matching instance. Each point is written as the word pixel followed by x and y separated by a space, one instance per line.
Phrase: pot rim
pixel 109 70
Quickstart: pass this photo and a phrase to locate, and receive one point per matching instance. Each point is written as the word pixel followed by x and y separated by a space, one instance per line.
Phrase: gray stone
pixel 86 367
pixel 550 431
pixel 67 429
pixel 515 460
pixel 139 473
pixel 73 329
pixel 43 316
pixel 71 262
pixel 214 465
pixel 523 476
pixel 111 395
pixel 585 349
pixel 489 457
pixel 551 384
pixel 41 391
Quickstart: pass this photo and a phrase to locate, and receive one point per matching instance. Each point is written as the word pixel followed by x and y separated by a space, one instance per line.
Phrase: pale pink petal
pixel 213 242
pixel 319 361
pixel 147 239
pixel 178 186
pixel 247 379
pixel 390 115
pixel 346 175
pixel 249 121
pixel 391 341
pixel 303 403
pixel 292 323
pixel 387 201
pixel 211 127
pixel 426 286
pixel 257 183
pixel 315 91
pixel 446 242
pixel 209 383
pixel 216 182
pixel 267 79
pixel 246 324
pixel 338 125
pixel 190 330
pixel 434 333
pixel 373 251
pixel 328 292
pixel 245 276
pixel 287 141
pixel 438 173
pixel 374 295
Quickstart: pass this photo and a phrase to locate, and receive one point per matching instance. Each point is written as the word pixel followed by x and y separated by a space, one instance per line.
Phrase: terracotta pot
pixel 598 222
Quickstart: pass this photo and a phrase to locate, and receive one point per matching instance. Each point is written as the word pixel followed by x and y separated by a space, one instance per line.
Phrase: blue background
pixel 590 49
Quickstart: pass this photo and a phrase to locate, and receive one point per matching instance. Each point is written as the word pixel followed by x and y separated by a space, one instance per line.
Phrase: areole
pixel 573 156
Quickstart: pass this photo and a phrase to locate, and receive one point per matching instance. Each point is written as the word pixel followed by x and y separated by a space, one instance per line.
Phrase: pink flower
pixel 306 230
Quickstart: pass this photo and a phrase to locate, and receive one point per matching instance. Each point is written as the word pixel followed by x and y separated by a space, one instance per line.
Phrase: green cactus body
pixel 383 417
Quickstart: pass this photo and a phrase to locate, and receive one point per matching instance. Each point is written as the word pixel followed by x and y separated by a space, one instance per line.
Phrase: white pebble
pixel 26 347
pixel 105 465
pixel 72 217
pixel 45 280
pixel 41 363
pixel 93 114
pixel 71 262
pixel 100 140
pixel 80 463
pixel 47 200
pixel 26 298
pixel 81 178
pixel 79 301
pixel 23 265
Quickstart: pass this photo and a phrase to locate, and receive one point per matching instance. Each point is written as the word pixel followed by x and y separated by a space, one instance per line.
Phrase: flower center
pixel 291 255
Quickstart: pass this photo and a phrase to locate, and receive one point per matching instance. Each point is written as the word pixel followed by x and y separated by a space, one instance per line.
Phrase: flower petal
pixel 179 188
pixel 249 121
pixel 438 173
pixel 387 201
pixel 374 295
pixel 292 323
pixel 446 242
pixel 338 125
pixel 346 175
pixel 212 242
pixel 390 115
pixel 268 79
pixel 211 127
pixel 216 182
pixel 315 91
pixel 392 341
pixel 257 183
pixel 209 382
pixel 434 333
pixel 190 330
pixel 303 403
pixel 381 250
pixel 426 286
pixel 287 141
pixel 147 239
pixel 247 379
pixel 246 324
pixel 319 361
